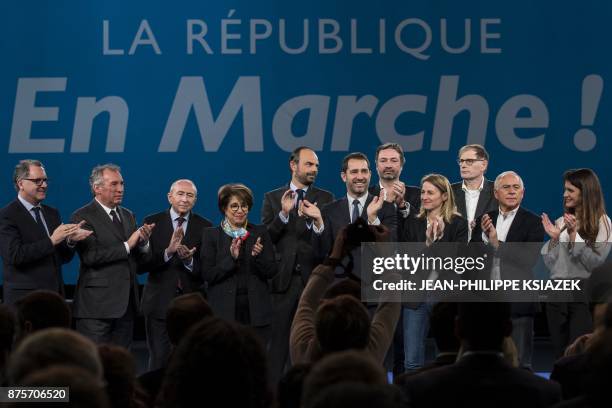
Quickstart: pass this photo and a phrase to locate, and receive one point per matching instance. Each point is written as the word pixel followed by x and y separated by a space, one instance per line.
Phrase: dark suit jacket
pixel 163 277
pixel 107 273
pixel 292 241
pixel 480 381
pixel 220 271
pixel 30 260
pixel 516 261
pixel 336 216
pixel 486 200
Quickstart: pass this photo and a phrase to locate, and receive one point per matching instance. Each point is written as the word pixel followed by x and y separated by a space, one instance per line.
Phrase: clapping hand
pixel 257 248
pixel 175 241
pixel 185 254
pixel 235 248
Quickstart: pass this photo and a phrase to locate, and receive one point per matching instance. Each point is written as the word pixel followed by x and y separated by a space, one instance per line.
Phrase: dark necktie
pixel 355 210
pixel 179 222
pixel 300 197
pixel 117 223
pixel 39 220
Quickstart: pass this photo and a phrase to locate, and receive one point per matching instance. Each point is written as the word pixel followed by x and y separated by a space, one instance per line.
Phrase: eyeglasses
pixel 235 207
pixel 469 162
pixel 38 181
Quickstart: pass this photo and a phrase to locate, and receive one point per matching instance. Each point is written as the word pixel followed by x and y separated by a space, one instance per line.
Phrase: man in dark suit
pixel 107 291
pixel 357 203
pixel 474 194
pixel 390 161
pixel 33 240
pixel 174 267
pixel 481 377
pixel 291 233
pixel 511 223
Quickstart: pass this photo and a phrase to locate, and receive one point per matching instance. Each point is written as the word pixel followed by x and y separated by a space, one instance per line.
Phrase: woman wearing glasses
pixel 579 242
pixel 237 261
pixel 437 221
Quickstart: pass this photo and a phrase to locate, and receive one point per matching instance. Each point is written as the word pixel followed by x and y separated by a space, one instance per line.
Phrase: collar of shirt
pixel 293 187
pixel 174 215
pixel 108 210
pixel 362 201
pixel 511 213
pixel 467 190
pixel 26 203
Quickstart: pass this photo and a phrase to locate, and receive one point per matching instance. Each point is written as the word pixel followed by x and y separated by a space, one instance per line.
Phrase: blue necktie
pixel 355 210
pixel 300 197
pixel 39 220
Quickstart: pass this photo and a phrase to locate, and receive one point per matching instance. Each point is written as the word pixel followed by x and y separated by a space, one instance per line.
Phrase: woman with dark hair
pixel 579 242
pixel 237 261
pixel 437 221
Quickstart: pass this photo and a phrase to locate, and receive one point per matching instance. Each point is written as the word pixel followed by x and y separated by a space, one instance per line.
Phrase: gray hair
pixel 49 347
pixel 22 170
pixel 504 174
pixel 184 181
pixel 96 177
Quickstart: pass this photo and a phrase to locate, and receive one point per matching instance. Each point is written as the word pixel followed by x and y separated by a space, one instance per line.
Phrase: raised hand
pixel 311 211
pixel 175 241
pixel 439 227
pixel 287 202
pixel 257 248
pixel 184 253
pixel 489 229
pixel 145 232
pixel 551 229
pixel 375 206
pixel 235 248
pixel 399 189
pixel 63 231
pixel 80 233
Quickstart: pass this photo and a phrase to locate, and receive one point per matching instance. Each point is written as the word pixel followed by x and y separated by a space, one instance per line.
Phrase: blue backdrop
pixel 221 92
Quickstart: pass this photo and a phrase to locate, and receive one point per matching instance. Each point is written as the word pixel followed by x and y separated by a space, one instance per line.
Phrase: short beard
pixel 304 179
pixel 388 177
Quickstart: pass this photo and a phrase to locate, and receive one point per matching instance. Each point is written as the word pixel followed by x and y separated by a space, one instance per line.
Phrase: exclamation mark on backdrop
pixel 592 88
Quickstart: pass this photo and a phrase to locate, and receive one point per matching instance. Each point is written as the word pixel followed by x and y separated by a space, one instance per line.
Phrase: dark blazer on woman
pixel 415 229
pixel 219 271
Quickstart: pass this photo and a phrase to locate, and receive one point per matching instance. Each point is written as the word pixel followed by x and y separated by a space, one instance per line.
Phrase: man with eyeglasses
pixel 33 241
pixel 512 223
pixel 174 267
pixel 474 194
pixel 291 231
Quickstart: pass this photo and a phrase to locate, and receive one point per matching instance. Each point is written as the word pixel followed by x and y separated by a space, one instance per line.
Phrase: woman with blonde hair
pixel 579 242
pixel 437 221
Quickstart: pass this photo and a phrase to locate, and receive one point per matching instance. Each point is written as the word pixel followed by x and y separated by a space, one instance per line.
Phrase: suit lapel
pixel 422 229
pixel 461 202
pixel 106 220
pixel 343 207
pixel 25 215
pixel 191 229
pixel 515 228
pixel 483 198
pixel 364 212
pixel 124 222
